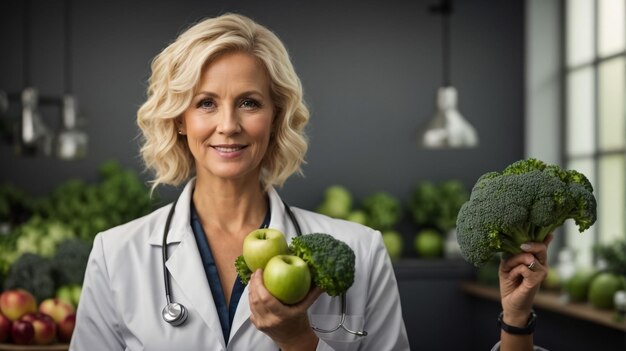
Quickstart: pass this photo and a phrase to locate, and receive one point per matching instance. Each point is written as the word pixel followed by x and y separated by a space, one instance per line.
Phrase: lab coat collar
pixel 180 225
pixel 186 269
pixel 280 220
pixel 185 264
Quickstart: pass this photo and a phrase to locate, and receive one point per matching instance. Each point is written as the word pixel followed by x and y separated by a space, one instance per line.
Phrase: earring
pixel 180 131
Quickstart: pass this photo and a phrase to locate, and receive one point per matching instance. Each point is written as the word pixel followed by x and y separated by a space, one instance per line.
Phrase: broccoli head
pixel 70 261
pixel 524 203
pixel 32 273
pixel 331 261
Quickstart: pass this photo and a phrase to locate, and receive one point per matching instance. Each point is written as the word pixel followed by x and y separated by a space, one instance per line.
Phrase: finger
pixel 258 294
pixel 309 299
pixel 539 250
pixel 508 264
pixel 529 279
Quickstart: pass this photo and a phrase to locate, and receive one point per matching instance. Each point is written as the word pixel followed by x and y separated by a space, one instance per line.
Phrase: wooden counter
pixel 553 302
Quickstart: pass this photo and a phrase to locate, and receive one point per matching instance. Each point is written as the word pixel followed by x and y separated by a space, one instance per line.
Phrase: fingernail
pixel 525 247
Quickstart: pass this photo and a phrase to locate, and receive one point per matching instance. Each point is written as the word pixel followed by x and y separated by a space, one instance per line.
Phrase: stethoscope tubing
pixel 176 314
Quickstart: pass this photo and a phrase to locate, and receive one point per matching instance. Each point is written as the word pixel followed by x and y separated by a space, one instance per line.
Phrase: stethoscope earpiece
pixel 175 314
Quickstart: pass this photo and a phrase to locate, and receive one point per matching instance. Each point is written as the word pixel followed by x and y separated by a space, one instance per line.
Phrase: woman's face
pixel 229 121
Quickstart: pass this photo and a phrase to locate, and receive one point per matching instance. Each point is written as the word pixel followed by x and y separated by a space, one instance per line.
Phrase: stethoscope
pixel 176 314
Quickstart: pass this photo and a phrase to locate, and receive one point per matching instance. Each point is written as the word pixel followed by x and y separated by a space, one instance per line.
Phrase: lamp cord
pixel 444 9
pixel 67 59
pixel 445 46
pixel 26 44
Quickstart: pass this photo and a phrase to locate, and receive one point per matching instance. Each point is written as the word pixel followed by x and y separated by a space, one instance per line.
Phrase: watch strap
pixel 528 329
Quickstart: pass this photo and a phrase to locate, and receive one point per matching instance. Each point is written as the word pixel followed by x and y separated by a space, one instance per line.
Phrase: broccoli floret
pixel 32 273
pixel 331 261
pixel 524 203
pixel 70 261
pixel 243 271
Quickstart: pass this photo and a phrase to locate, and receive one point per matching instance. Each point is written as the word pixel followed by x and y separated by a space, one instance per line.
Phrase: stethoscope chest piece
pixel 174 313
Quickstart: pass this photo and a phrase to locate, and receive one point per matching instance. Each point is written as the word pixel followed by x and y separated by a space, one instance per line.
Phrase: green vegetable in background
pixel 337 202
pixel 524 203
pixel 37 236
pixel 393 243
pixel 74 209
pixel 33 273
pixel 70 261
pixel 614 255
pixel 577 286
pixel 383 210
pixel 602 289
pixel 437 205
pixel 357 216
pixel 15 206
pixel 88 209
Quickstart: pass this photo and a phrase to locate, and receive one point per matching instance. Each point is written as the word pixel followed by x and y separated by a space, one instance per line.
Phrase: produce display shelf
pixel 53 347
pixel 552 301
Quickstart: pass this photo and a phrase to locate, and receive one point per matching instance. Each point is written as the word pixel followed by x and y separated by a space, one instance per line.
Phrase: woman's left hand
pixel 519 283
pixel 287 325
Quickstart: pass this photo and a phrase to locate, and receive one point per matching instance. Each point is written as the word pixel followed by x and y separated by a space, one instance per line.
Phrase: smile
pixel 228 149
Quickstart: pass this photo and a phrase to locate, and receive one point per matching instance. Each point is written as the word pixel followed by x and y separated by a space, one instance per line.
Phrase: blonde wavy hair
pixel 176 73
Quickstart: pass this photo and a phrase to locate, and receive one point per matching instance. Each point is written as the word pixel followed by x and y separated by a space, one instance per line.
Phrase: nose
pixel 229 122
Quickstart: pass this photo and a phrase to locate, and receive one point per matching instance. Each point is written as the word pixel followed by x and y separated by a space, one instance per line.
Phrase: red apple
pixel 44 326
pixel 56 308
pixel 45 331
pixel 16 303
pixel 31 317
pixel 65 328
pixel 22 332
pixel 262 244
pixel 5 328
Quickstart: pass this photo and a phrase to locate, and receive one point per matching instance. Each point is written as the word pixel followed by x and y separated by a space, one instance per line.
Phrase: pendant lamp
pixel 31 136
pixel 447 128
pixel 72 142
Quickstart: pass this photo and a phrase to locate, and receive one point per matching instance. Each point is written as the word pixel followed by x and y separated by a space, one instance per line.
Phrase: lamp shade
pixel 447 128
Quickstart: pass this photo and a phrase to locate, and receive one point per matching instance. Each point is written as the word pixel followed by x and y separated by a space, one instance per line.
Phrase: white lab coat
pixel 123 292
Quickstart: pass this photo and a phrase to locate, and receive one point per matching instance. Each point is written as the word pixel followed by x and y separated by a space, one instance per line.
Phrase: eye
pixel 250 104
pixel 206 104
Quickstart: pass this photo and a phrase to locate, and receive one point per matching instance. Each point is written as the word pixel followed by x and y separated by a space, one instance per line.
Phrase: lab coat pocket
pixel 340 338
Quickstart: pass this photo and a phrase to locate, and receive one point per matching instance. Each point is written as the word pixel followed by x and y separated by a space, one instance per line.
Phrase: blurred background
pixel 534 78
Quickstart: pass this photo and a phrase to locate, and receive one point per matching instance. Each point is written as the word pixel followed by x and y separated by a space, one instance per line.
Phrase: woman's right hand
pixel 287 325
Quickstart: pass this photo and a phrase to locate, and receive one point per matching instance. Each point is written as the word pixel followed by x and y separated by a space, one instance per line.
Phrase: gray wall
pixel 370 70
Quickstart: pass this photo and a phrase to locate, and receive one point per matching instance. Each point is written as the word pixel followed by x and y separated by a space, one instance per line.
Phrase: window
pixel 595 115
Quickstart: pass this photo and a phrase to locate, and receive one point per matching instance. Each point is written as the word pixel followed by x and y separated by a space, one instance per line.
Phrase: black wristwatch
pixel 528 329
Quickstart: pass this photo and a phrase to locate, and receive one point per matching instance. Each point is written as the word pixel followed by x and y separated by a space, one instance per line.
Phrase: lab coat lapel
pixel 279 220
pixel 187 272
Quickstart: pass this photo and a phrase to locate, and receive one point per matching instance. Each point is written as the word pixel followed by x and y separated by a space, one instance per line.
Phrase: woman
pixel 225 113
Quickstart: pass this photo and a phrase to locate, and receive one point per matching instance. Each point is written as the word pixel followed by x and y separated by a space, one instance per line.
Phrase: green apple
pixel 357 216
pixel 393 243
pixel 602 289
pixel 261 245
pixel 287 278
pixel 76 291
pixel 65 293
pixel 429 243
